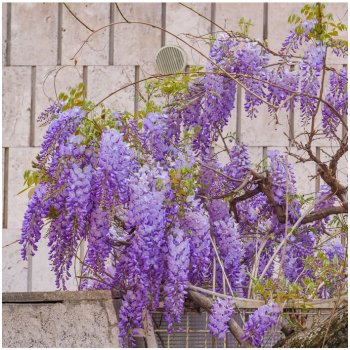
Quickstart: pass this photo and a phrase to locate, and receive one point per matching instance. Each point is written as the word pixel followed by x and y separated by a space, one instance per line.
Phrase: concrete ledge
pixel 59 296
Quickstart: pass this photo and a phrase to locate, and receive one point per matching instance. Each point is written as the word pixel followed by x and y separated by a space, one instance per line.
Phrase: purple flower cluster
pixel 230 248
pixel 59 131
pixel 283 183
pixel 33 222
pixel 310 70
pixel 324 200
pixel 334 248
pixel 158 131
pixel 221 313
pixel 239 164
pixel 196 223
pixel 49 113
pixel 264 318
pixel 337 97
pixel 178 261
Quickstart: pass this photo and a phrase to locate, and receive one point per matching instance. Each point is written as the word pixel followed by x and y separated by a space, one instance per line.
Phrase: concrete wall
pixel 39 38
pixel 60 319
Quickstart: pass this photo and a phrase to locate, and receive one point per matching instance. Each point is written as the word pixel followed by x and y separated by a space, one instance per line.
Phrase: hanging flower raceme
pixel 33 222
pixel 221 313
pixel 337 97
pixel 263 319
pixel 158 131
pixel 177 274
pixel 239 164
pixel 324 199
pixel 283 183
pixel 59 131
pixel 310 71
pixel 196 223
pixel 230 248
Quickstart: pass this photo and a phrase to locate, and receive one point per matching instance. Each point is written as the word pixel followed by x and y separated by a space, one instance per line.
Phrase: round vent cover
pixel 171 59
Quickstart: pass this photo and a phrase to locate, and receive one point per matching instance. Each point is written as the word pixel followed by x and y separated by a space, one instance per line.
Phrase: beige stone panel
pixel 137 44
pixel 181 21
pixel 16 97
pixel 104 80
pixel 256 156
pixel 95 16
pixel 263 130
pixel 14 269
pixel 20 159
pixel 50 81
pixel 227 15
pixel 34 34
pixel 278 26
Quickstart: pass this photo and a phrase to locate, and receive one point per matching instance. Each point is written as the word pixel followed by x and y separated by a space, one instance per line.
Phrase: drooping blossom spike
pixel 221 313
pixel 230 248
pixel 176 276
pixel 33 222
pixel 59 132
pixel 263 319
pixel 116 163
pixel 197 224
pixel 337 97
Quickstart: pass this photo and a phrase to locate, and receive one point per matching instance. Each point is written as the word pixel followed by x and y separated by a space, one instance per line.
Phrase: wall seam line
pixel 32 106
pixel 5 186
pixel 163 25
pixel 111 35
pixel 8 34
pixel 59 35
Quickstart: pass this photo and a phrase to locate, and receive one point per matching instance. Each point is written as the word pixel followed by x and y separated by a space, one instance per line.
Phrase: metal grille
pixel 193 330
pixel 170 59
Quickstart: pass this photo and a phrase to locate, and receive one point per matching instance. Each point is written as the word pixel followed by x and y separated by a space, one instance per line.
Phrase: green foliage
pixel 31 180
pixel 326 30
pixel 244 25
pixel 76 97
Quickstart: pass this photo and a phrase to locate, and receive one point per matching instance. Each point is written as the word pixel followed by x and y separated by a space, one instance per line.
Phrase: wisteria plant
pixel 164 220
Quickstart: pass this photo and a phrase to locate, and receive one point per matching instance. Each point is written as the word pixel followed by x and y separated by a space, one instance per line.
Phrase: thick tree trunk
pixel 330 333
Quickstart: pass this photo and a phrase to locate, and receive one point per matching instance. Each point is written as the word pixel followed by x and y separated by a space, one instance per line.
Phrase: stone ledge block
pixel 16 97
pixel 34 34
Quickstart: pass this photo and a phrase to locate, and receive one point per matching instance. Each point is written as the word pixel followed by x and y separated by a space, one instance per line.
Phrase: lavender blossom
pixel 264 318
pixel 221 313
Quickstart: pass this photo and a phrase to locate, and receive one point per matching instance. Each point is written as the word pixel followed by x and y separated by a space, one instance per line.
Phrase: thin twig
pixel 77 18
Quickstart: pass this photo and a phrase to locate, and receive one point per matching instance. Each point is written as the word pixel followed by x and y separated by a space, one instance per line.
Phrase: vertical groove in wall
pixel 29 273
pixel 162 38
pixel 8 34
pixel 318 179
pixel 137 86
pixel 5 189
pixel 265 20
pixel 32 107
pixel 85 79
pixel 111 34
pixel 213 17
pixel 239 115
pixel 264 157
pixel 82 258
pixel 59 35
pixel 291 125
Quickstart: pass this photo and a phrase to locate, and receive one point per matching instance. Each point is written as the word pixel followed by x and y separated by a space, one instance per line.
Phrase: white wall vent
pixel 171 59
